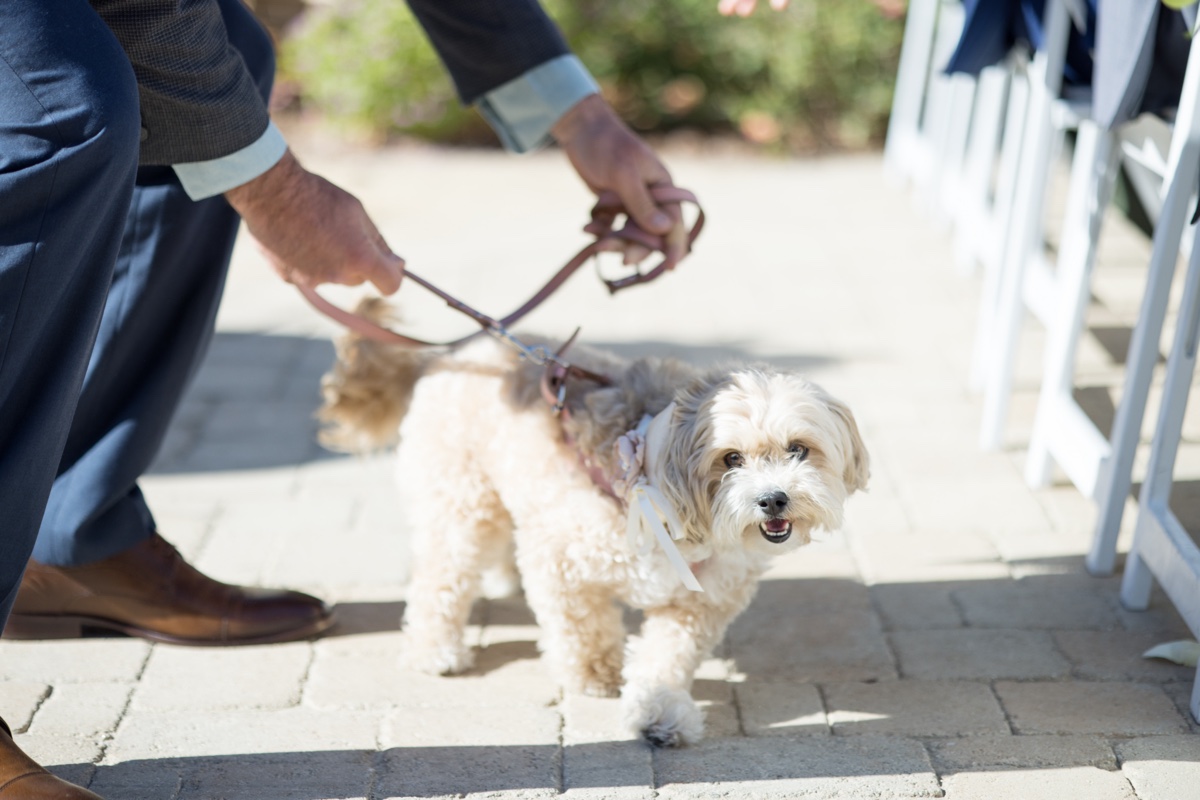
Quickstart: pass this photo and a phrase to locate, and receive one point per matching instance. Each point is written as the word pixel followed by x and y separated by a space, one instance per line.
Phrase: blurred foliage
pixel 816 76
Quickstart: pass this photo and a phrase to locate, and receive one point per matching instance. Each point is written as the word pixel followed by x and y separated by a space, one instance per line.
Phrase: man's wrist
pixel 581 117
pixel 277 181
pixel 523 110
pixel 204 179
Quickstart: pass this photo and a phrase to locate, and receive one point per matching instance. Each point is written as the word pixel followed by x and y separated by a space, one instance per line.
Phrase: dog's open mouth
pixel 776 530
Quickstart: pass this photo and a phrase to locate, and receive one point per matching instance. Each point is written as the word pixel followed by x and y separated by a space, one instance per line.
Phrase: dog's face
pixel 760 459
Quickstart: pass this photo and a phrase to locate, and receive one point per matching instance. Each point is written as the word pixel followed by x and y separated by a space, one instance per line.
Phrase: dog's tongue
pixel 776 525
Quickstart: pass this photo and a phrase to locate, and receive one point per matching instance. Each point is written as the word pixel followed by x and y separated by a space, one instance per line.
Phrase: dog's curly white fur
pixel 757 459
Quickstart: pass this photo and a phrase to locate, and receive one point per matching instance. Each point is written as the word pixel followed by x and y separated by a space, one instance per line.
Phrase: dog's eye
pixel 734 460
pixel 798 450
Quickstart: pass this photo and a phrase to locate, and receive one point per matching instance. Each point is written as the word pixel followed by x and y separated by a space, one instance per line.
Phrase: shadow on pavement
pixel 806 648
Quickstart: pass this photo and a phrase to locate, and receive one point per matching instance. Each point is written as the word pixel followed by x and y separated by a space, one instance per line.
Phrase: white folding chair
pixel 931 111
pixel 902 148
pixel 1101 468
pixel 980 210
pixel 1161 547
pixel 1024 279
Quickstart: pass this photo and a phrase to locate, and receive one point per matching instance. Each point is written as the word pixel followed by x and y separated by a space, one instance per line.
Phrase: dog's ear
pixel 858 464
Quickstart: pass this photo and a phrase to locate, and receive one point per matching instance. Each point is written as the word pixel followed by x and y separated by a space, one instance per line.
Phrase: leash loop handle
pixel 608 206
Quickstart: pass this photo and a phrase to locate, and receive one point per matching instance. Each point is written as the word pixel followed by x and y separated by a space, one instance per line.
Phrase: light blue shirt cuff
pixel 203 179
pixel 523 111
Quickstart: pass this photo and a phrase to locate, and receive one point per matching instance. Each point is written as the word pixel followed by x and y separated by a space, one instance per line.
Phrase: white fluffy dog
pixel 744 463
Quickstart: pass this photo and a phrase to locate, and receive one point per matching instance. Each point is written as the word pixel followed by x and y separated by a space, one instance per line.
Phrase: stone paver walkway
pixel 947 643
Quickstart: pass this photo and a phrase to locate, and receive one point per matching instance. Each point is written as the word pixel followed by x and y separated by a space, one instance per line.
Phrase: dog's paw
pixel 664 717
pixel 435 659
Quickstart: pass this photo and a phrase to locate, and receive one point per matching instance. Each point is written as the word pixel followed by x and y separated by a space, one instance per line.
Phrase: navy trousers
pixel 110 278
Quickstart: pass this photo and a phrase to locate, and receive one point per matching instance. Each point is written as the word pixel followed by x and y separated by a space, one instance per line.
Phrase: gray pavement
pixel 946 643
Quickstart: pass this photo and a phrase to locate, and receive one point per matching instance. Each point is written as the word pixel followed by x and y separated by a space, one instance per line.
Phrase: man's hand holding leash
pixel 610 157
pixel 313 232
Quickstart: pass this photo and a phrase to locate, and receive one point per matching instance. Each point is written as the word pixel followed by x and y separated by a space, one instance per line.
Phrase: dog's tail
pixel 367 392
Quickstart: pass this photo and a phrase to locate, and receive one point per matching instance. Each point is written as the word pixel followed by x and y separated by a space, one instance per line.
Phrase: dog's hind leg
pixel 582 634
pixel 457 530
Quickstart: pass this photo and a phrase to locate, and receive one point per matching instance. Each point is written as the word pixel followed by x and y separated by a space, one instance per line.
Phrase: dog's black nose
pixel 773 502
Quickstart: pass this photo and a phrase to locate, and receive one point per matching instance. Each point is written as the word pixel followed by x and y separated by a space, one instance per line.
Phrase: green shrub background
pixel 817 76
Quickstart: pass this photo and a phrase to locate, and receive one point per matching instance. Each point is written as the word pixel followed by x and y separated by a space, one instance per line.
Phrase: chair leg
pixel 916 53
pixel 1093 170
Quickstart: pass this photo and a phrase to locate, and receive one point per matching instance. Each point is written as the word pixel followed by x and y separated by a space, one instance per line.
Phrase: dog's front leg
pixel 659 666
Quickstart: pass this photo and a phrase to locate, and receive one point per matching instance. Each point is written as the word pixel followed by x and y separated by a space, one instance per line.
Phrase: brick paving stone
pixel 85 710
pixel 341 774
pixel 914 708
pixel 1089 707
pixel 70 661
pixel 600 758
pixel 879 510
pixel 608 771
pixel 345 775
pixel 910 562
pixel 267 676
pixel 19 700
pixel 495 771
pixel 904 606
pixel 1162 767
pixel 1160 619
pixel 249 375
pixel 239 420
pixel 243 554
pixel 228 488
pixel 977 654
pixel 804 597
pixel 71 757
pixel 778 767
pixel 245 454
pixel 771 708
pixel 952 505
pixel 1026 752
pixel 1117 655
pixel 1181 695
pixel 823 560
pixel 1020 605
pixel 470 727
pixel 153 735
pixel 314 553
pixel 588 720
pixel 716 701
pixel 828 644
pixel 1084 783
pixel 351 675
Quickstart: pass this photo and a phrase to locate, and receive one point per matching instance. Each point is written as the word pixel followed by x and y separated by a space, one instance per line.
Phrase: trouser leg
pixel 68 152
pixel 167 285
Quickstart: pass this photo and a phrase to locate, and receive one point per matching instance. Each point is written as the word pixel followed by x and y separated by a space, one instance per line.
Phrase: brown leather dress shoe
pixel 21 778
pixel 151 592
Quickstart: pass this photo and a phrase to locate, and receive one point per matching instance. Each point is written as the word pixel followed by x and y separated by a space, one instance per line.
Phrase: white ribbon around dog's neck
pixel 638 454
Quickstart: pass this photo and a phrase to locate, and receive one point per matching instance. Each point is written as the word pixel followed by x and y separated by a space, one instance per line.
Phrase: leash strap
pixel 604 214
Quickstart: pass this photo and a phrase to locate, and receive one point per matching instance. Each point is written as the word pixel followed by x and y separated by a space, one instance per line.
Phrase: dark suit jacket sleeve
pixel 487 43
pixel 198 99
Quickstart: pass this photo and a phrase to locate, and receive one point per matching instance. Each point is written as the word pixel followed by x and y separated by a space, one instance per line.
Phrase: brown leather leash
pixel 603 217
